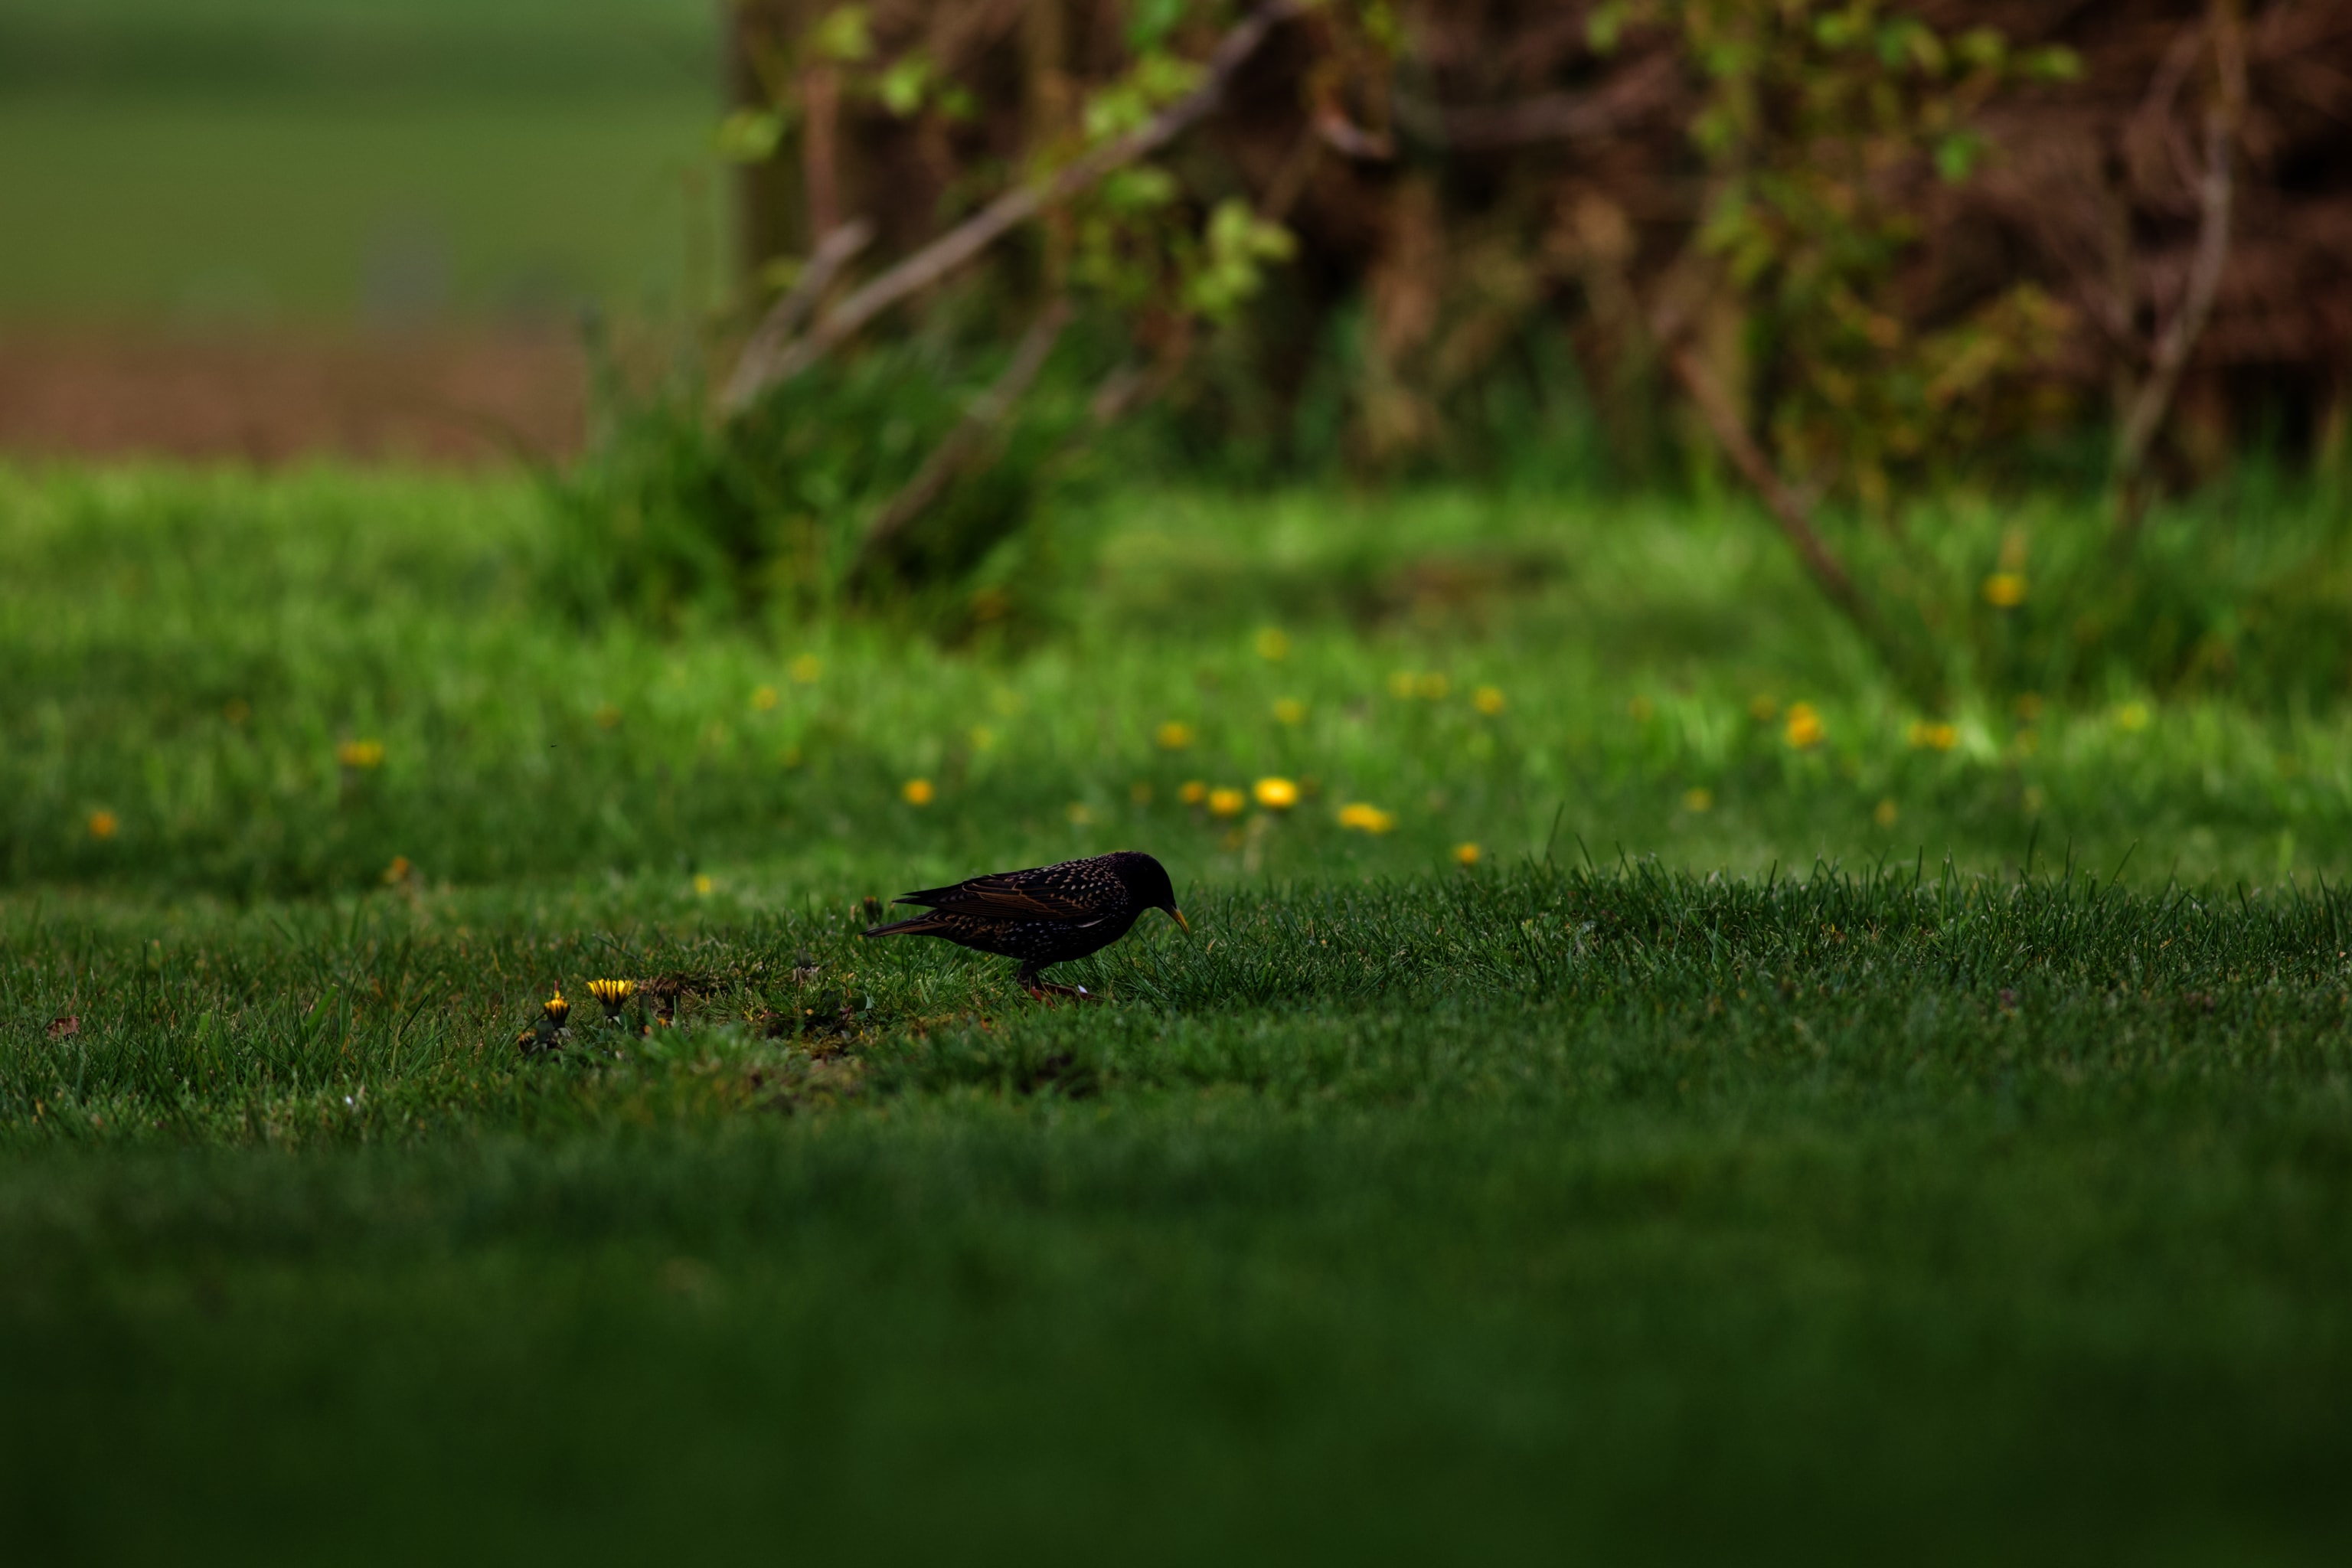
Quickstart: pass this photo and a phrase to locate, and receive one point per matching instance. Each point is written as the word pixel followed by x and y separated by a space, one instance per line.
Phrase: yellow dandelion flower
pixel 364 754
pixel 1433 688
pixel 917 791
pixel 2132 716
pixel 1699 800
pixel 1401 682
pixel 1886 813
pixel 399 871
pixel 1226 801
pixel 2004 589
pixel 613 994
pixel 1923 736
pixel 1804 730
pixel 1273 644
pixel 1487 700
pixel 557 1008
pixel 1289 710
pixel 103 825
pixel 703 884
pixel 608 717
pixel 764 698
pixel 806 670
pixel 1362 817
pixel 1276 794
pixel 1466 854
pixel 1173 736
pixel 1193 793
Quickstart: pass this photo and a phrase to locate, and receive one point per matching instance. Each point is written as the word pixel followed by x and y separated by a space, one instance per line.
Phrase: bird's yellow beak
pixel 1178 915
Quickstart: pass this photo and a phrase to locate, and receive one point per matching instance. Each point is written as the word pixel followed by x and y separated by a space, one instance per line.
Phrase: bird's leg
pixel 1040 988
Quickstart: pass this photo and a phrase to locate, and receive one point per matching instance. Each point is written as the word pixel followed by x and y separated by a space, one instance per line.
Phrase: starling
pixel 1048 915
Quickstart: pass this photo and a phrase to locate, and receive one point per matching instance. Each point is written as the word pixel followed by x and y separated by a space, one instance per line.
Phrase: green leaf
pixel 903 87
pixel 1164 79
pixel 843 35
pixel 2056 63
pixel 1237 241
pixel 1984 46
pixel 1149 22
pixel 1139 189
pixel 1115 111
pixel 1605 27
pixel 750 135
pixel 1838 32
pixel 1958 155
pixel 1236 232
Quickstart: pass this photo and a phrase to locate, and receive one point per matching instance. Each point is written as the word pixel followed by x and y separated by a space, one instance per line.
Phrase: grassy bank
pixel 1486 1212
pixel 264 689
pixel 1807 1175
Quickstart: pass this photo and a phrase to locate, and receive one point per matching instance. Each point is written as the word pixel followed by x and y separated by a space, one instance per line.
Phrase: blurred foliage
pixel 1811 262
pixel 676 517
pixel 676 508
pixel 1824 121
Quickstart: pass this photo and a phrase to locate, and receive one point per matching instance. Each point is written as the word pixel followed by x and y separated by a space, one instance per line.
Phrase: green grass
pixel 232 215
pixel 188 653
pixel 227 165
pixel 1890 1198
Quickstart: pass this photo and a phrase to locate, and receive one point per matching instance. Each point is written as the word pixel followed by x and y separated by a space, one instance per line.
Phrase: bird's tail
pixel 916 926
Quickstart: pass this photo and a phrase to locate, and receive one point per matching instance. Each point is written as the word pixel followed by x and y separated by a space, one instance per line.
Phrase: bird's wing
pixel 1007 895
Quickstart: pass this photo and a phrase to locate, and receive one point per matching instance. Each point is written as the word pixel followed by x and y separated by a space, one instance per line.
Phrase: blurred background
pixel 1929 366
pixel 254 228
pixel 1902 238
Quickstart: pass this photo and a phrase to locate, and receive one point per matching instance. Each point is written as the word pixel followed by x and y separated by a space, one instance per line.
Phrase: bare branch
pixel 774 333
pixel 1548 117
pixel 1349 140
pixel 976 234
pixel 820 152
pixel 1788 510
pixel 1290 177
pixel 954 455
pixel 2215 193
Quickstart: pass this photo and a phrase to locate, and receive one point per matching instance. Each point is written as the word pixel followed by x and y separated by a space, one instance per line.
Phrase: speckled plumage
pixel 1046 915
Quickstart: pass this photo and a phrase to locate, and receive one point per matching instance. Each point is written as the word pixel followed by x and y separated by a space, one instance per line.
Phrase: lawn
pixel 326 164
pixel 1796 1130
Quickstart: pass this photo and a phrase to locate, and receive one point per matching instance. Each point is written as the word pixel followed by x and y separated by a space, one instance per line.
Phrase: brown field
pixel 444 399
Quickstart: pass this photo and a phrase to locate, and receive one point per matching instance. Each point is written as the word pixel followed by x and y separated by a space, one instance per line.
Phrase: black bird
pixel 1046 915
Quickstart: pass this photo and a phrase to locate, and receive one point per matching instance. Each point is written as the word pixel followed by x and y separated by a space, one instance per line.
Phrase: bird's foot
pixel 1040 988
